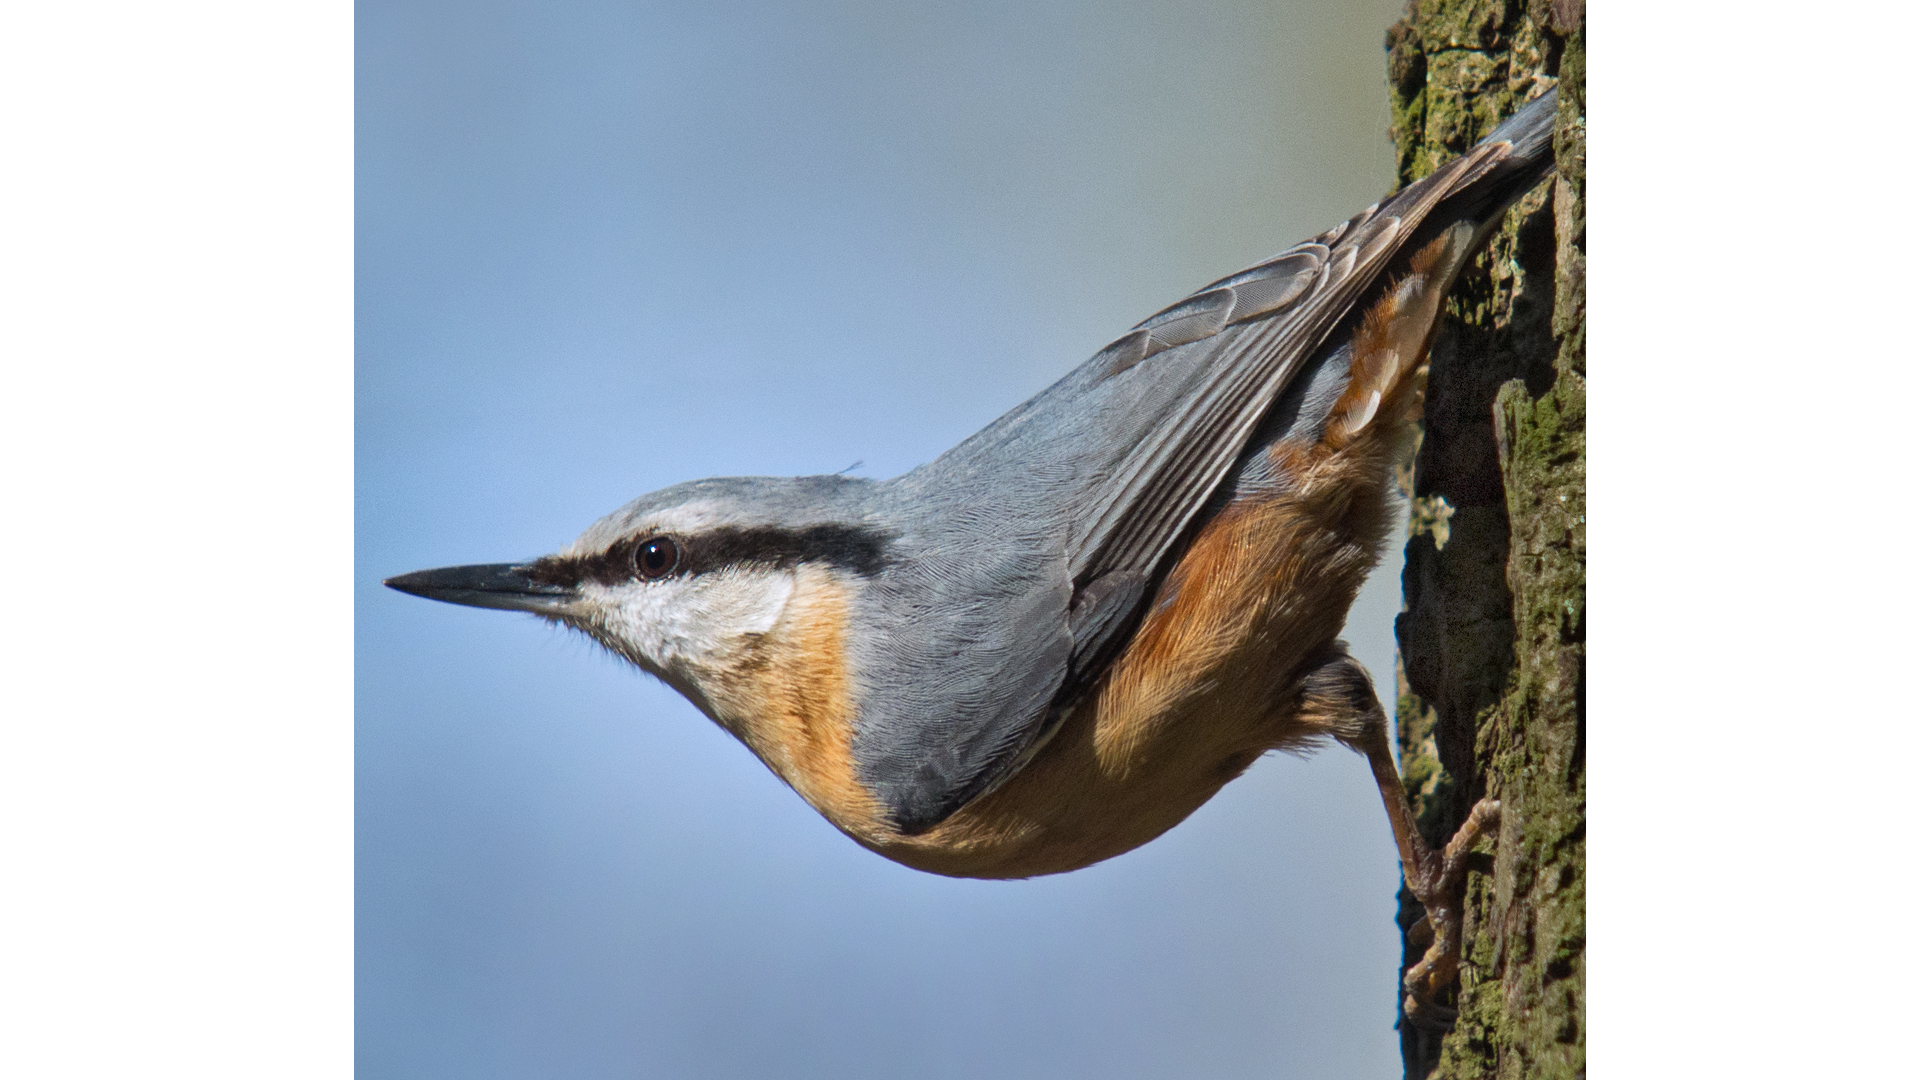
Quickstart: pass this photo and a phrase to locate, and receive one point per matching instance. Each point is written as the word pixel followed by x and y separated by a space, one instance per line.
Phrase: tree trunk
pixel 1492 687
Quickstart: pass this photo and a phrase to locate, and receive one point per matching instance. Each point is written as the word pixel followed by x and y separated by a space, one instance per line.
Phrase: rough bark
pixel 1493 638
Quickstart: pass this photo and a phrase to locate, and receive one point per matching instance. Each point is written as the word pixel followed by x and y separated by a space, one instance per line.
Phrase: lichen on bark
pixel 1492 640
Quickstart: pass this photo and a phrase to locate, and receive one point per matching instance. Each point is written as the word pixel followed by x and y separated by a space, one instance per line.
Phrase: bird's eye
pixel 656 558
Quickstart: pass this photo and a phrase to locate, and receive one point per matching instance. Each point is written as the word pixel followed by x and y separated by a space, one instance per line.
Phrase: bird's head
pixel 722 588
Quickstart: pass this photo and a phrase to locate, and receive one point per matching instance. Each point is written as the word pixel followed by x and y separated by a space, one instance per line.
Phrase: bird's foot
pixel 1438 882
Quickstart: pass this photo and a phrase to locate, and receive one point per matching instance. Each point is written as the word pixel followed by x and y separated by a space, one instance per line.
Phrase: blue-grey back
pixel 1026 549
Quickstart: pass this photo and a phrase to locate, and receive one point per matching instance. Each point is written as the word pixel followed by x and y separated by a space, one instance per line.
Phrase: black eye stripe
pixel 860 550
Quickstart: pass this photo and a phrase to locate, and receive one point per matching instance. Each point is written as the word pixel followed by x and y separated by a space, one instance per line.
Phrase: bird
pixel 1055 641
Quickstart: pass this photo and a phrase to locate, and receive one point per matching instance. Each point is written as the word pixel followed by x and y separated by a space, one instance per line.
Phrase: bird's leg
pixel 1436 879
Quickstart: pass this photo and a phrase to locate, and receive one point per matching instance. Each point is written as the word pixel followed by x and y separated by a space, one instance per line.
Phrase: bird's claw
pixel 1438 885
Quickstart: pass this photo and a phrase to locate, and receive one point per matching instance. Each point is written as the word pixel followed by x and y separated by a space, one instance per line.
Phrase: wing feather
pixel 1291 302
pixel 1038 536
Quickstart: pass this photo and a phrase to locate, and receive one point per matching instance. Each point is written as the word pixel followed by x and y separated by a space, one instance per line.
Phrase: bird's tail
pixel 1509 171
pixel 1390 344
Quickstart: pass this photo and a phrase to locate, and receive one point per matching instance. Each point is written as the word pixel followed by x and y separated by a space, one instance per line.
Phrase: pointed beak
pixel 493 585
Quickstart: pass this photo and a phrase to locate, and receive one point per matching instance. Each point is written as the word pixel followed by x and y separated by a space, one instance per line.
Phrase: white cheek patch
pixel 689 625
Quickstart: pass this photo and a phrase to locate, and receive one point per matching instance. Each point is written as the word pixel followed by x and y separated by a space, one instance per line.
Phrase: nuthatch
pixel 1061 637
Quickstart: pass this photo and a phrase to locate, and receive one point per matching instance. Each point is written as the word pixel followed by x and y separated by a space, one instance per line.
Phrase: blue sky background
pixel 607 247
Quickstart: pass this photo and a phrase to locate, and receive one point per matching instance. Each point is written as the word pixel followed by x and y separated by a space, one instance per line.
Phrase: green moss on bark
pixel 1493 662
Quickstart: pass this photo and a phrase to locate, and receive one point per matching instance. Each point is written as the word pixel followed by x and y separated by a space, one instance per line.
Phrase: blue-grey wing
pixel 1042 532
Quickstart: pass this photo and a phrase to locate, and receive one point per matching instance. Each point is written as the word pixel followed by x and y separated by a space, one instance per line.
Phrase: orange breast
pixel 793 706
